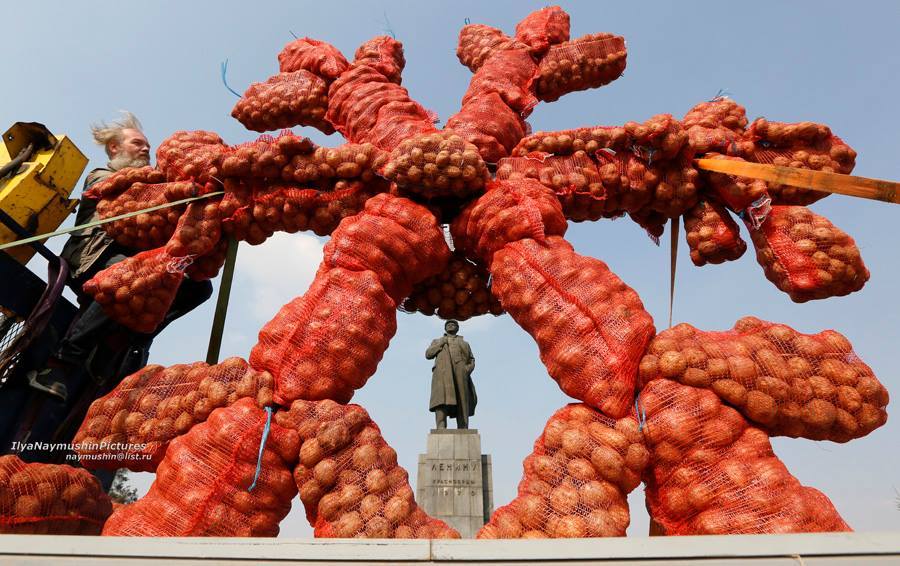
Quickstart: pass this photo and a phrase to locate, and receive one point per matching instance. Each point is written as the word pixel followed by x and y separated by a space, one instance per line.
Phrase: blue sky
pixel 69 64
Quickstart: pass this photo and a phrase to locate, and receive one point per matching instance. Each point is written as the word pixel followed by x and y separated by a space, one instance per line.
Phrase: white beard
pixel 124 160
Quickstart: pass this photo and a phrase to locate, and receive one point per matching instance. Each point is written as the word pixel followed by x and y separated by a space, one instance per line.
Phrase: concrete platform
pixel 770 550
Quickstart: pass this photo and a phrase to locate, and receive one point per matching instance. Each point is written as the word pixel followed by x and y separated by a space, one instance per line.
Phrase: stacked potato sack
pixel 577 480
pixel 131 426
pixel 712 473
pixel 567 142
pixel 199 230
pixel 122 180
pixel 740 194
pixel 52 499
pixel 587 62
pixel 266 158
pixel 712 235
pixel 147 230
pixel 437 164
pixel 459 292
pixel 327 343
pixel 788 383
pixel 207 486
pixel 207 266
pixel 716 126
pixel 807 256
pixel 318 57
pixel 478 43
pixel 138 291
pixel 348 477
pixel 285 100
pixel 804 145
pixel 194 155
pixel 543 28
pixel 590 327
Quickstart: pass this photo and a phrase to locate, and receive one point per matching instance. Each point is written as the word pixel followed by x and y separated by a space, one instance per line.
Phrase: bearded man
pixel 91 250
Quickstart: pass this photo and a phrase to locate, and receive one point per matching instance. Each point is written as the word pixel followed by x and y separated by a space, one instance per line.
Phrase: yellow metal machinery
pixel 36 193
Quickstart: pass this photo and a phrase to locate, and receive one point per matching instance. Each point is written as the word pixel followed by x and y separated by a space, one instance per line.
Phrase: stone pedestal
pixel 454 482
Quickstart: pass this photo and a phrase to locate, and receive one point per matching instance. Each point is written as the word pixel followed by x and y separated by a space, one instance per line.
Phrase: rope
pixel 673 263
pixel 96 223
pixel 262 446
pixel 225 81
pixel 640 411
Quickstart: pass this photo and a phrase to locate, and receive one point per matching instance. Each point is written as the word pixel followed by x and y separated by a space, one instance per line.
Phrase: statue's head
pixel 451 327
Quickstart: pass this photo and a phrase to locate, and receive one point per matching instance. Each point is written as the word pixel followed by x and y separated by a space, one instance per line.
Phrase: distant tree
pixel 121 491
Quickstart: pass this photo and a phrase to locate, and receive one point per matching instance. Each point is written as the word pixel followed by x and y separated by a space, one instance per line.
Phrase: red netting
pixel 510 74
pixel 660 138
pixel 542 28
pixel 138 291
pixel 677 189
pixel 478 42
pixel 399 121
pixel 266 158
pixel 712 235
pixel 202 486
pixel 576 481
pixel 738 193
pixel 807 256
pixel 590 61
pixel 395 238
pixel 789 383
pixel 488 123
pixel 717 125
pixel 194 155
pixel 147 230
pixel 132 425
pixel 207 266
pixel 348 477
pixel 652 221
pixel 50 499
pixel 383 53
pixel 711 473
pixel 317 57
pixel 120 181
pixel 327 343
pixel 198 231
pixel 566 142
pixel 285 100
pixel 509 211
pixel 805 145
pixel 438 164
pixel 590 327
pixel 459 292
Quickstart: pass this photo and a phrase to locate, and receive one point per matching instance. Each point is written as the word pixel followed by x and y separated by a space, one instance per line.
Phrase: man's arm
pixel 436 346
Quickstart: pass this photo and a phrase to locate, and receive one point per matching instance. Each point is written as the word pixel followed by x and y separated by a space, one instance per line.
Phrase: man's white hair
pixel 104 133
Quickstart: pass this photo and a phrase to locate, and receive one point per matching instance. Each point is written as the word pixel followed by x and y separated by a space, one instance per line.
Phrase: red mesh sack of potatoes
pixel 347 161
pixel 327 343
pixel 660 138
pixel 348 477
pixel 198 230
pixel 804 145
pixel 317 57
pixel 577 480
pixel 739 193
pixel 132 425
pixel 121 180
pixel 712 235
pixel 489 124
pixel 543 28
pixel 265 158
pixel 652 221
pixel 478 42
pixel 146 230
pixel 384 54
pixel 566 142
pixel 716 126
pixel 459 292
pixel 50 499
pixel 629 183
pixel 401 120
pixel 590 61
pixel 285 100
pixel 786 382
pixel 807 256
pixel 510 210
pixel 678 187
pixel 395 238
pixel 590 327
pixel 437 164
pixel 207 266
pixel 138 291
pixel 510 74
pixel 193 155
pixel 712 473
pixel 217 481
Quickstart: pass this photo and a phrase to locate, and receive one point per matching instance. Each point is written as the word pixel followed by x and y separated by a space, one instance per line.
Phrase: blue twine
pixel 294 34
pixel 225 82
pixel 641 412
pixel 388 27
pixel 723 93
pixel 262 446
pixel 467 21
